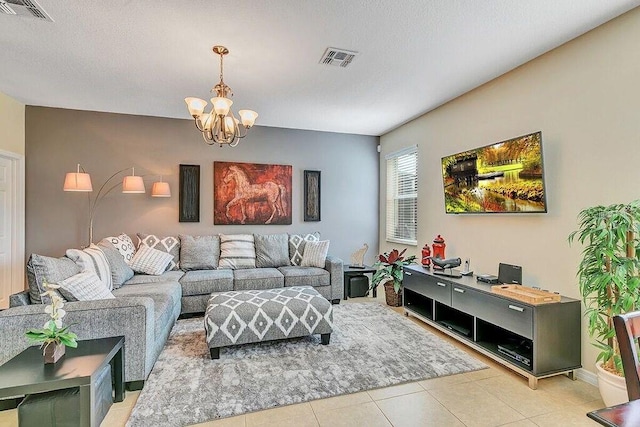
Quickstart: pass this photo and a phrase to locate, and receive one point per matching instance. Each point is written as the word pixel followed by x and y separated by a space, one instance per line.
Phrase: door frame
pixel 17 220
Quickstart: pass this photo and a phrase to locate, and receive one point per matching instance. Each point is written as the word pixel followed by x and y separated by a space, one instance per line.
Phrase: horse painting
pixel 247 193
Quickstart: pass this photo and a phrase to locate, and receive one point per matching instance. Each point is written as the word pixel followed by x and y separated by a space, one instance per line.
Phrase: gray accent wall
pixel 103 143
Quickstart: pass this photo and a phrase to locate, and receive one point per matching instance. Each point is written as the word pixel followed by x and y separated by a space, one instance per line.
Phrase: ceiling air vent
pixel 337 57
pixel 29 8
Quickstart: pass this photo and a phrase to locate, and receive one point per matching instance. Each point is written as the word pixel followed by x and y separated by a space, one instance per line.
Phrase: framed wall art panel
pixel 189 205
pixel 312 195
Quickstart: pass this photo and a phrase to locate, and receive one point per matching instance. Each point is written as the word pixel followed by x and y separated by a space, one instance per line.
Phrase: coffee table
pixel 26 373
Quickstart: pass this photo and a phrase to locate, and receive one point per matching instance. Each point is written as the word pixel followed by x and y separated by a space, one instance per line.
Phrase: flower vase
pixel 52 352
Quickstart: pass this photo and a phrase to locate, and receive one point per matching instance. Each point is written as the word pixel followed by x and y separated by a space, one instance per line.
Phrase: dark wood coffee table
pixel 26 373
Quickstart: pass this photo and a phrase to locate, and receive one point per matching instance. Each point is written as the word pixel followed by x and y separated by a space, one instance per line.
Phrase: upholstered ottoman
pixel 242 317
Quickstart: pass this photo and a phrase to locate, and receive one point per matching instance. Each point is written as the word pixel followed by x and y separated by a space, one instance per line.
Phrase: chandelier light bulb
pixel 195 105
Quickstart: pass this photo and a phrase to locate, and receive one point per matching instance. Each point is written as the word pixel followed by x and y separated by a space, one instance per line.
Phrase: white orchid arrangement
pixel 52 331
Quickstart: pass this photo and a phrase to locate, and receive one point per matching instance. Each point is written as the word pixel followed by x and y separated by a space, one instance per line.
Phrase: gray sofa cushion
pixel 52 270
pixel 199 252
pixel 167 276
pixel 305 276
pixel 257 279
pixel 272 250
pixel 120 270
pixel 297 243
pixel 204 282
pixel 169 244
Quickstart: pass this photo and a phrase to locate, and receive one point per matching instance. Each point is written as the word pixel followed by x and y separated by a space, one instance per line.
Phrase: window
pixel 402 196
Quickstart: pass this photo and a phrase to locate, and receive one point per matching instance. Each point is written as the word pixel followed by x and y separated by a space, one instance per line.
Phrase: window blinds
pixel 402 196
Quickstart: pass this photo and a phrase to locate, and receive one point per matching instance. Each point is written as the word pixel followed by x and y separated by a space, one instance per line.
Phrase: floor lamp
pixel 80 181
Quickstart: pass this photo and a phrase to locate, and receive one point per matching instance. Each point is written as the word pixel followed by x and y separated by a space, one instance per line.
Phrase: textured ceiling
pixel 142 57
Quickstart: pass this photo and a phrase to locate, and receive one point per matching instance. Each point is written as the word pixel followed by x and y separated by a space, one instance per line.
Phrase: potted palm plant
pixel 389 273
pixel 609 284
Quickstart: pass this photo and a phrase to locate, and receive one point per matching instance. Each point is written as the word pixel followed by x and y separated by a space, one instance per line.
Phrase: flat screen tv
pixel 505 177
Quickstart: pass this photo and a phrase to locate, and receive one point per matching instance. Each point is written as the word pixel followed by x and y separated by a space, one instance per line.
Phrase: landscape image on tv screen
pixel 505 177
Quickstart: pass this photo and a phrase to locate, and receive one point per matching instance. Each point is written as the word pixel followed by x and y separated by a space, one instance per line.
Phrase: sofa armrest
pixel 19 299
pixel 131 317
pixel 334 266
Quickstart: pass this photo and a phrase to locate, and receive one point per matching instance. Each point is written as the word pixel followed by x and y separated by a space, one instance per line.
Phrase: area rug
pixel 371 346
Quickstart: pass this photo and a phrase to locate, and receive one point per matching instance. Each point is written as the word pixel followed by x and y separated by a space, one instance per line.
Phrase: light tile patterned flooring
pixel 490 397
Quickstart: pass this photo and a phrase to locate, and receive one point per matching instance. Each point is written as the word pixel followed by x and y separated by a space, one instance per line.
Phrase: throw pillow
pixel 85 286
pixel 169 244
pixel 93 259
pixel 315 254
pixel 237 251
pixel 52 270
pixel 199 252
pixel 124 245
pixel 120 270
pixel 272 250
pixel 297 243
pixel 148 260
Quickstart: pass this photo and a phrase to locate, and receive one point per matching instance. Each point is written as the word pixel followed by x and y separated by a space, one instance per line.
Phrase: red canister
pixel 426 256
pixel 438 247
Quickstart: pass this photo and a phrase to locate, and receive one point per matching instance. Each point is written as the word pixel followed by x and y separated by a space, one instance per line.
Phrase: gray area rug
pixel 371 346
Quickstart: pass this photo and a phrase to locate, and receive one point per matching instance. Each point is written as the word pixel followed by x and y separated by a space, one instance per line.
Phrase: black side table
pixel 26 373
pixel 350 272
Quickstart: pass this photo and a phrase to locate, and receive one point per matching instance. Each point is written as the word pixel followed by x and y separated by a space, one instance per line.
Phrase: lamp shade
pixel 133 184
pixel 248 117
pixel 160 189
pixel 77 181
pixel 221 105
pixel 196 106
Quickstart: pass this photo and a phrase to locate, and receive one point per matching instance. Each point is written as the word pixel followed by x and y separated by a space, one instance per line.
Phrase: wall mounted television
pixel 504 177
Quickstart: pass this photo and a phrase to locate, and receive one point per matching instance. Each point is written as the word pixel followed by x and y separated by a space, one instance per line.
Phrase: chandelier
pixel 220 126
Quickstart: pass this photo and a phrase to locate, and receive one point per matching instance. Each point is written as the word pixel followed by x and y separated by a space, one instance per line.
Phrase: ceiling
pixel 141 57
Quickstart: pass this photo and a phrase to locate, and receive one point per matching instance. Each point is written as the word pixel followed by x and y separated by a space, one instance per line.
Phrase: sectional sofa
pixel 146 306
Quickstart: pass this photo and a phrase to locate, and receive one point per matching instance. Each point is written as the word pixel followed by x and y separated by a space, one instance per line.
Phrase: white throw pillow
pixel 85 286
pixel 150 261
pixel 237 251
pixel 94 260
pixel 124 245
pixel 315 254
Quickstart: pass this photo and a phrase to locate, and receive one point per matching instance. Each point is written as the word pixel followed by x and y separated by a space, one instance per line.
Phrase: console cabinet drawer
pixel 510 315
pixel 428 286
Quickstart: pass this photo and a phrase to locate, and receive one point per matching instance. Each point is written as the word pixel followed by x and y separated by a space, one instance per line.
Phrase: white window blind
pixel 402 196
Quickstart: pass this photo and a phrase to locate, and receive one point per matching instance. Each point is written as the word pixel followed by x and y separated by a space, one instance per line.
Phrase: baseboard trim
pixel 587 376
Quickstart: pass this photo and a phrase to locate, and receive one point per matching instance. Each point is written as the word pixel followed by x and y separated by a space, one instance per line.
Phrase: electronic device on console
pixel 510 274
pixel 487 278
pixel 445 264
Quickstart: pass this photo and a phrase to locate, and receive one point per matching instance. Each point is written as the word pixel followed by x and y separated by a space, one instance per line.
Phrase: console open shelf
pixel 537 341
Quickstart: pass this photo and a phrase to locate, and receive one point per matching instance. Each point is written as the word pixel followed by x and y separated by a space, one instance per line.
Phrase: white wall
pixel 585 98
pixel 11 125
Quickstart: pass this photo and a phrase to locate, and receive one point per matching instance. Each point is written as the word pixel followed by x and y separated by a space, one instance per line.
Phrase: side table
pixel 26 373
pixel 350 272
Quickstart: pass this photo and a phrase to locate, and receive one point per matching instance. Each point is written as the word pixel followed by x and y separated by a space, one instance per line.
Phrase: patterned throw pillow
pixel 237 251
pixel 120 270
pixel 150 261
pixel 93 259
pixel 272 250
pixel 52 270
pixel 296 245
pixel 199 252
pixel 124 245
pixel 169 244
pixel 315 254
pixel 85 286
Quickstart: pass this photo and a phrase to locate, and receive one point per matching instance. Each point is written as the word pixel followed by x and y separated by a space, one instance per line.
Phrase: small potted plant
pixel 609 284
pixel 53 336
pixel 390 274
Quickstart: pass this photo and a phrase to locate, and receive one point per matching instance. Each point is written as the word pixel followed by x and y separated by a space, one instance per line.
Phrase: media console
pixel 537 341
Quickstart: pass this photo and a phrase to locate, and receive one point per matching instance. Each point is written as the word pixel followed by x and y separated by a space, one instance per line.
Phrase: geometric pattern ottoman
pixel 242 317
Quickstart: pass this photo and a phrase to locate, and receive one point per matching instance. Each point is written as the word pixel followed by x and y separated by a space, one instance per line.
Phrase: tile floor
pixel 490 397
